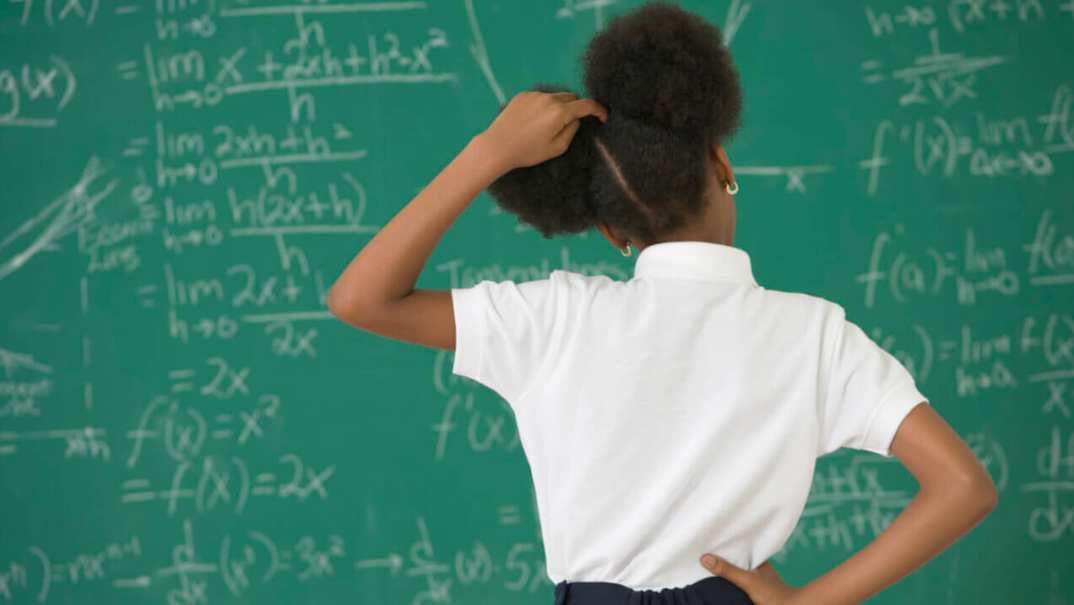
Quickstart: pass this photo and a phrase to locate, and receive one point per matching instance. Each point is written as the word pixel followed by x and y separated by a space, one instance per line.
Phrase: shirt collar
pixel 706 261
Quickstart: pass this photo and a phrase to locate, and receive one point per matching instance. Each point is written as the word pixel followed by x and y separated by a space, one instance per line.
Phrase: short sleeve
pixel 503 332
pixel 867 394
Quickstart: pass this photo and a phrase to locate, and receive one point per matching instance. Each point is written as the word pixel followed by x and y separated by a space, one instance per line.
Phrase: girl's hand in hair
pixel 537 126
pixel 763 585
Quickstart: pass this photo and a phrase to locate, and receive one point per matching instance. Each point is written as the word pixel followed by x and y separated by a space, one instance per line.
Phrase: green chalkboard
pixel 183 421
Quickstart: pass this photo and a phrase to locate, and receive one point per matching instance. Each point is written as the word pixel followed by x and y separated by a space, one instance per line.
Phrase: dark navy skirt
pixel 713 590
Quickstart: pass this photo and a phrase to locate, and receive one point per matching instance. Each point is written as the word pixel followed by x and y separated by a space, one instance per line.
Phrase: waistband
pixel 713 590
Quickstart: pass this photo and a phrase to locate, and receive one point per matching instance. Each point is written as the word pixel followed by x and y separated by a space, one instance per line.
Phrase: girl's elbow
pixel 989 495
pixel 343 307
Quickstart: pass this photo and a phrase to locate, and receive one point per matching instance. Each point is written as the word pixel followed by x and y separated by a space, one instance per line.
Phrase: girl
pixel 678 413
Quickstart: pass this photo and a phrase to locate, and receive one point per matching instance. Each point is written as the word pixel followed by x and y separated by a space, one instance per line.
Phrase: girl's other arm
pixel 956 493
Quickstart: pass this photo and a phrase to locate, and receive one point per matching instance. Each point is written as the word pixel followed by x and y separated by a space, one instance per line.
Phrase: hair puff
pixel 672 92
pixel 553 196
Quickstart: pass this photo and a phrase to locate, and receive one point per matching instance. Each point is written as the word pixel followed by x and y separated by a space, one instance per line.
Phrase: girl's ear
pixel 613 238
pixel 719 155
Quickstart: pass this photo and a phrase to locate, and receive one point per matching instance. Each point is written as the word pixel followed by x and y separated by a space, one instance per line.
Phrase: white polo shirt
pixel 677 413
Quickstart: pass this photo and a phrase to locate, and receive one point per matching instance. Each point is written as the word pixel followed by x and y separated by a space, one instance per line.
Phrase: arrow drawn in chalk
pixel 63 215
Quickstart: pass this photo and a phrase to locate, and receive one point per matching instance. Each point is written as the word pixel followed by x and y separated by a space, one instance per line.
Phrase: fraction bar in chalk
pixel 1052 279
pixel 294 158
pixel 303 229
pixel 338 81
pixel 30 122
pixel 779 170
pixel 52 434
pixel 1056 375
pixel 322 8
pixel 288 316
pixel 139 582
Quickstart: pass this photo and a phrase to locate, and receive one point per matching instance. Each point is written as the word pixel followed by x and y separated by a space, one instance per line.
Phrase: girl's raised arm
pixel 376 290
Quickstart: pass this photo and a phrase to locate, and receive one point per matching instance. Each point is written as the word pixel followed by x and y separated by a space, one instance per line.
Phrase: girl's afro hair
pixel 672 92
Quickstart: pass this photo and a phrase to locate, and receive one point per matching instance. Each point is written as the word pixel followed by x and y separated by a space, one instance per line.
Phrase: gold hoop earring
pixel 727 187
pixel 627 248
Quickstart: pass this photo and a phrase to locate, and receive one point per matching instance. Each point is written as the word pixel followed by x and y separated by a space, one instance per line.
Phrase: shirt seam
pixel 542 365
pixel 829 362
pixel 730 280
